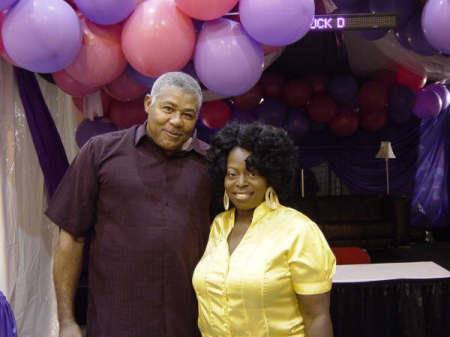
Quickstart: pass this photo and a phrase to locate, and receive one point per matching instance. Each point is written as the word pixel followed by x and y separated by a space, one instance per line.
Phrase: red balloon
pixel 322 108
pixel 269 49
pixel 296 93
pixel 409 78
pixel 71 86
pixel 124 88
pixel 250 99
pixel 373 120
pixel 100 59
pixel 215 114
pixel 126 114
pixel 318 82
pixel 373 96
pixel 385 76
pixel 272 84
pixel 345 123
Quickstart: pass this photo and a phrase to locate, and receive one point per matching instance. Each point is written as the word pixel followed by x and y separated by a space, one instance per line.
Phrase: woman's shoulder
pixel 294 219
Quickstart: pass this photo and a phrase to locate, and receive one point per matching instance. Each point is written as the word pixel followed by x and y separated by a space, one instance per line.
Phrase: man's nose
pixel 176 120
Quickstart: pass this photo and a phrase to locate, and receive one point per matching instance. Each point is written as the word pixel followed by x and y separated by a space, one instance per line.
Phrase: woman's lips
pixel 242 195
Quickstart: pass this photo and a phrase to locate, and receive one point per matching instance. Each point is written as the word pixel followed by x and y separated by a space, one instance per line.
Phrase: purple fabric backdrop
pixel 48 145
pixel 7 321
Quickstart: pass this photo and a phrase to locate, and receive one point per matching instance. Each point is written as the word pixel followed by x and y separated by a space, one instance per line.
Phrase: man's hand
pixel 71 329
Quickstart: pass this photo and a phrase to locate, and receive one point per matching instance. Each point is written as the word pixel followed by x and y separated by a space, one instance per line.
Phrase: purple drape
pixel 419 171
pixel 7 321
pixel 48 145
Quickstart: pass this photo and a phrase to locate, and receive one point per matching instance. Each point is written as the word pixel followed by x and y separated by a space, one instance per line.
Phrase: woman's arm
pixel 315 310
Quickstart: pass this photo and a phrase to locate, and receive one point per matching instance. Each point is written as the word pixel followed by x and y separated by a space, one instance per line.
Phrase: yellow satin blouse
pixel 253 291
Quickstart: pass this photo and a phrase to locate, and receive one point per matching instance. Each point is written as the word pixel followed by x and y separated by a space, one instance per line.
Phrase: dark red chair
pixel 350 255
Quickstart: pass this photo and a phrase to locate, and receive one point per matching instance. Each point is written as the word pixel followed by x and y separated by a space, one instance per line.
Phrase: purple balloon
pixel 6 3
pixel 203 132
pixel 106 12
pixel 428 104
pixel 226 59
pixel 436 24
pixel 373 34
pixel 443 93
pixel 276 23
pixel 140 78
pixel 403 8
pixel 297 124
pixel 244 116
pixel 88 129
pixel 42 36
pixel 343 89
pixel 400 104
pixel 416 37
pixel 271 112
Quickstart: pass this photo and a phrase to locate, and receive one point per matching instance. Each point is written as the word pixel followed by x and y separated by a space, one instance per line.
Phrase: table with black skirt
pixel 409 299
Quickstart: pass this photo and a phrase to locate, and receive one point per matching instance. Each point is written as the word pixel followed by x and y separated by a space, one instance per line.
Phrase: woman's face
pixel 246 189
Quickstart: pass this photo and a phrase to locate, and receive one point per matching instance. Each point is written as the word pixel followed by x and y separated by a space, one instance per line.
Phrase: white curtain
pixel 27 237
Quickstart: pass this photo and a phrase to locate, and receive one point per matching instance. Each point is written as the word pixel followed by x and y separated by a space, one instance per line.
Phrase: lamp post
pixel 386 153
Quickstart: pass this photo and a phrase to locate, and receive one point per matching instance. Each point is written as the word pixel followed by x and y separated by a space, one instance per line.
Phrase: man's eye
pixel 188 116
pixel 168 108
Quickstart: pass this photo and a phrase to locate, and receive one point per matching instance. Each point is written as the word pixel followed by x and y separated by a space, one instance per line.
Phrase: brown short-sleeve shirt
pixel 149 216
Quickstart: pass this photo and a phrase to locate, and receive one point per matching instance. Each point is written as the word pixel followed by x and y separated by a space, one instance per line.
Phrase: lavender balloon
pixel 106 12
pixel 428 104
pixel 226 59
pixel 6 3
pixel 276 23
pixel 42 36
pixel 443 93
pixel 146 81
pixel 436 24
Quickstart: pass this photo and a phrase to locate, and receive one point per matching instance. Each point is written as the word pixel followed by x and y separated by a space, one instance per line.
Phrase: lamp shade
pixel 385 151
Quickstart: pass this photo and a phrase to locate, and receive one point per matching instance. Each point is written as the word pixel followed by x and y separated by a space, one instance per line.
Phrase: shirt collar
pixel 196 144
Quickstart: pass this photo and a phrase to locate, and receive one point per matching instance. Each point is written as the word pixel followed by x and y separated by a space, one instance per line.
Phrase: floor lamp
pixel 386 153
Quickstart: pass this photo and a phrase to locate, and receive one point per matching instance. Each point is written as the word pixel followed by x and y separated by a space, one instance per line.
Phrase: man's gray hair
pixel 180 80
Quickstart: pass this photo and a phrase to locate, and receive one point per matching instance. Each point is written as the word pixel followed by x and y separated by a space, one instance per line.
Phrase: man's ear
pixel 147 103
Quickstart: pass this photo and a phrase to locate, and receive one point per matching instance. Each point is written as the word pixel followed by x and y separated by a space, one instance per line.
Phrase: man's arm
pixel 66 273
pixel 315 310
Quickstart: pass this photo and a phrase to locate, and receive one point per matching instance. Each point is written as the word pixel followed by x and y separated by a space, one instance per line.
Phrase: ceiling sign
pixel 353 21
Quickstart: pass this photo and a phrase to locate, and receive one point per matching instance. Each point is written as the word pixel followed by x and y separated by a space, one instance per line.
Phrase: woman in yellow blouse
pixel 267 269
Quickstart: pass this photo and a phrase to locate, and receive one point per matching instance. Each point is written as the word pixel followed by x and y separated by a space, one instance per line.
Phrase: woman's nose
pixel 242 181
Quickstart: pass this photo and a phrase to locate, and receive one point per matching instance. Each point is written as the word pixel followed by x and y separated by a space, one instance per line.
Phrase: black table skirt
pixel 394 308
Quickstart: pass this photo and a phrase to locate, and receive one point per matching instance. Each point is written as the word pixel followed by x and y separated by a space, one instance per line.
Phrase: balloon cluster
pixel 120 47
pixel 318 101
pixel 422 26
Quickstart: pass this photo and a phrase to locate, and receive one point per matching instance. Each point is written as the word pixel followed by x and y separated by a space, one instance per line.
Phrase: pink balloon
pixel 206 9
pixel 158 38
pixel 124 88
pixel 100 59
pixel 70 86
pixel 126 114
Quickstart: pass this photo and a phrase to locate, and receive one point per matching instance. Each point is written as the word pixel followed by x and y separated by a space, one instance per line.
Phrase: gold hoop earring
pixel 226 201
pixel 271 198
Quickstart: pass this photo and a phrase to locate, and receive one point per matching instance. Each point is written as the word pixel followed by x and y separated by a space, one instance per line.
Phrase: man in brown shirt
pixel 143 195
